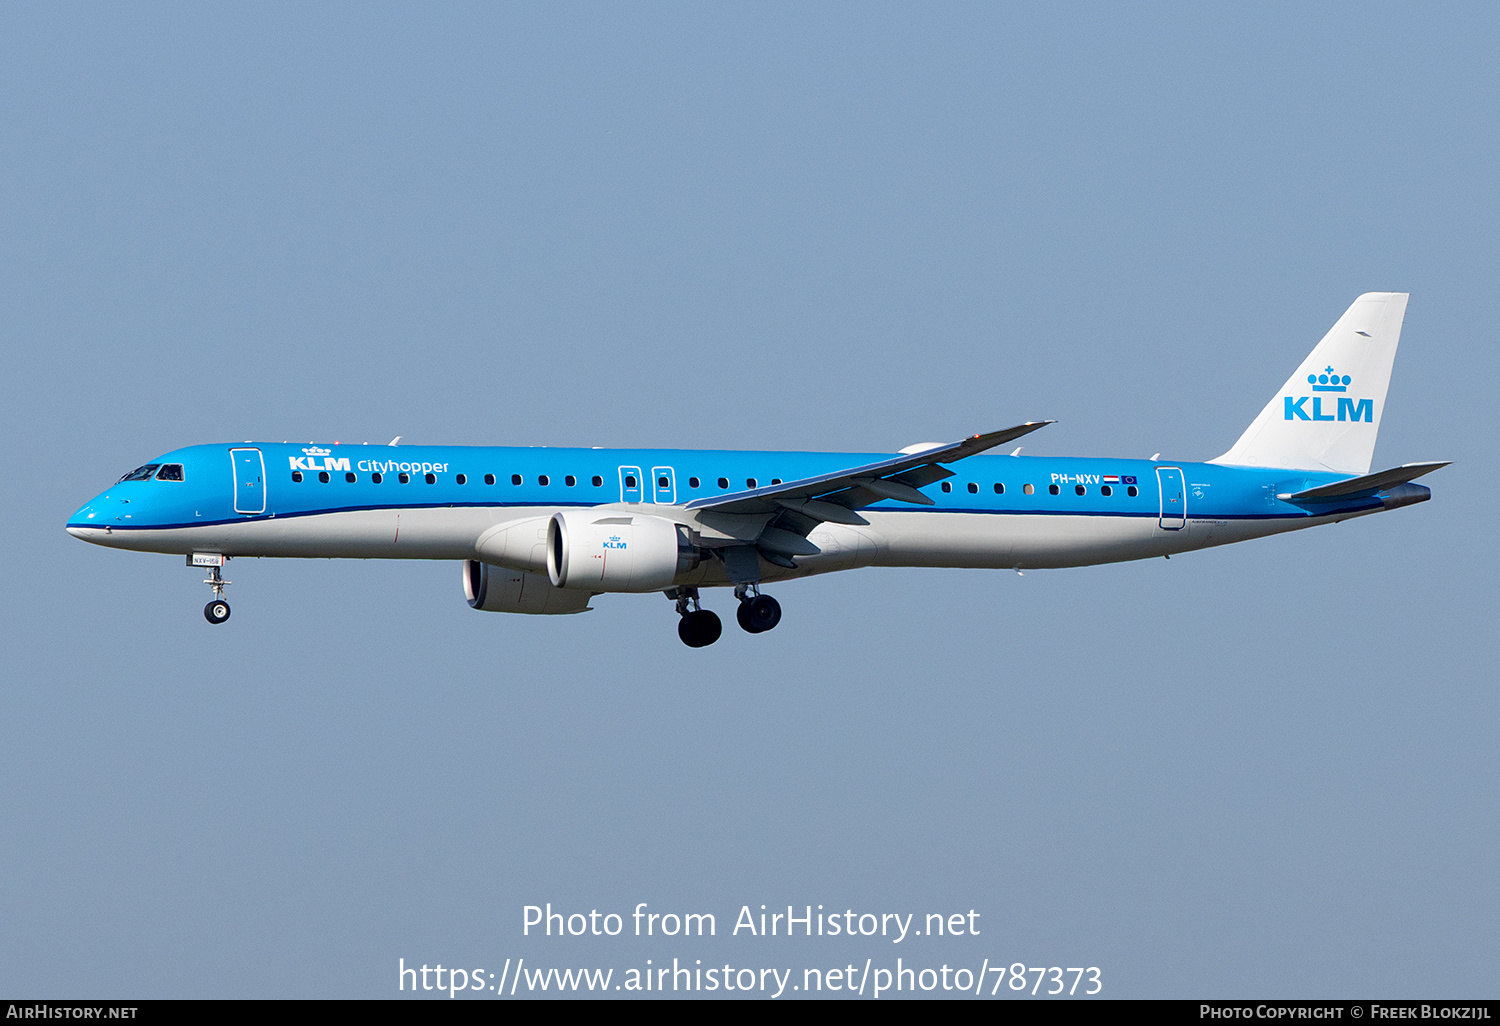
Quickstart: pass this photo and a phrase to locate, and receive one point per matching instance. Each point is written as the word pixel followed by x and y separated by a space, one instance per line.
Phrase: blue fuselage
pixel 304 500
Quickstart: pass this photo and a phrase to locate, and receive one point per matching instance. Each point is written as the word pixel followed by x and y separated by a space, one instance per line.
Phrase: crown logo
pixel 315 451
pixel 1328 381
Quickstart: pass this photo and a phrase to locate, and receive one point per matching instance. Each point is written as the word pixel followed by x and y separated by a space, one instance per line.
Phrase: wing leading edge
pixel 834 497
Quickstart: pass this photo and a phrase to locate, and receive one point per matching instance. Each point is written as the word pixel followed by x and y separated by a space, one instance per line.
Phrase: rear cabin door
pixel 249 480
pixel 1173 498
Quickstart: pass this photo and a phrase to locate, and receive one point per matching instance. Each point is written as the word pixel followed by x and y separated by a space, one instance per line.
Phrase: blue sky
pixel 1268 769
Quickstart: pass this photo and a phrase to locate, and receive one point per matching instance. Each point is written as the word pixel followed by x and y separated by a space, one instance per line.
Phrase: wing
pixel 834 497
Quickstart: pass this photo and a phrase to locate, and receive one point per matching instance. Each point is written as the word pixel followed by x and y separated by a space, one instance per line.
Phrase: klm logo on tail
pixel 1347 409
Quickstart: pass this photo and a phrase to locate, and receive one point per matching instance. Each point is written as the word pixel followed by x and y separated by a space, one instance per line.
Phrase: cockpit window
pixel 170 472
pixel 141 473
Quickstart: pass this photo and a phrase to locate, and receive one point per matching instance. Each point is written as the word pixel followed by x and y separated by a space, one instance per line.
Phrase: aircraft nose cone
pixel 95 535
pixel 86 524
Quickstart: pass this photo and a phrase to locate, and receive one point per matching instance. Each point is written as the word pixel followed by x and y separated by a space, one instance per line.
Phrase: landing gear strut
pixel 757 613
pixel 698 627
pixel 217 611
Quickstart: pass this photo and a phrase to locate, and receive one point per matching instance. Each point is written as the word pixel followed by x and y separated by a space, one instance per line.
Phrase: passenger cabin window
pixel 999 488
pixel 1028 489
pixel 662 482
pixel 404 478
pixel 489 479
pixel 323 476
pixel 462 479
pixel 598 481
pixel 376 477
pixel 629 480
pixel 723 482
pixel 1053 489
pixel 749 482
pixel 542 480
pixel 973 488
pixel 297 476
pixel 515 479
pixel 1132 491
pixel 351 478
pixel 1080 489
pixel 570 480
pixel 692 482
pixel 430 478
pixel 947 486
pixel 141 473
pixel 776 480
pixel 170 472
pixel 1106 491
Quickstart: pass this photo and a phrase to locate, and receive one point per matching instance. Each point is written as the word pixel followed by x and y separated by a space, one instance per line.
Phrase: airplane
pixel 545 530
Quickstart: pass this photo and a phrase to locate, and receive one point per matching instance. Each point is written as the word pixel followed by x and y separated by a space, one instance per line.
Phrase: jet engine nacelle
pixel 497 590
pixel 603 550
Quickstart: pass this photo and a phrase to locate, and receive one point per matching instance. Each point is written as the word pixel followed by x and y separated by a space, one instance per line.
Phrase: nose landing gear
pixel 217 611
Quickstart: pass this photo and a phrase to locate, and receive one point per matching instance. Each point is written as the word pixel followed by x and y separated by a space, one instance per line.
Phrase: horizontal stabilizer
pixel 1369 484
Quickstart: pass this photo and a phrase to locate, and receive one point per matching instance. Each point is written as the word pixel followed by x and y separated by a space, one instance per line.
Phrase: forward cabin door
pixel 1173 498
pixel 249 480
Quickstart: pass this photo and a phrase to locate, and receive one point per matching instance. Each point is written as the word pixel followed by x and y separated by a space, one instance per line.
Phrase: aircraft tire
pixel 759 614
pixel 216 611
pixel 700 628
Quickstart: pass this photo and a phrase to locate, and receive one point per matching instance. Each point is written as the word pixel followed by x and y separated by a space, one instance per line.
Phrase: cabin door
pixel 630 484
pixel 249 480
pixel 663 486
pixel 1173 498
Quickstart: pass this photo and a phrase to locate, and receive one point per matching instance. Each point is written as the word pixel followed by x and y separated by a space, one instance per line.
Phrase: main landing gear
pixel 757 613
pixel 699 627
pixel 217 611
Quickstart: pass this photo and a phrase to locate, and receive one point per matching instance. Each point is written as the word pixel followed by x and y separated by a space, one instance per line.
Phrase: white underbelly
pixel 1001 541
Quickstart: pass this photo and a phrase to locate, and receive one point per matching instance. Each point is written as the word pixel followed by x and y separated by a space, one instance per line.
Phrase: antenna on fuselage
pixel 393 441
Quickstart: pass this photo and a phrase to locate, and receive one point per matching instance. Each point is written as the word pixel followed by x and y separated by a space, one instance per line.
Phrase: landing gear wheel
pixel 216 611
pixel 759 614
pixel 699 628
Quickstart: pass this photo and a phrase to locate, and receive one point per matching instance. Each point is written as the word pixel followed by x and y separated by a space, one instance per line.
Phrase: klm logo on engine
pixel 1347 409
pixel 614 542
pixel 312 462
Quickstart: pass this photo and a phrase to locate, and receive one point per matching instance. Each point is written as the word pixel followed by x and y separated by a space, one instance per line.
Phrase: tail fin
pixel 1327 414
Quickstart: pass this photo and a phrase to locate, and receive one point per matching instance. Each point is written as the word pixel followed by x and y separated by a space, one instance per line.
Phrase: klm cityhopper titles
pixel 541 530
